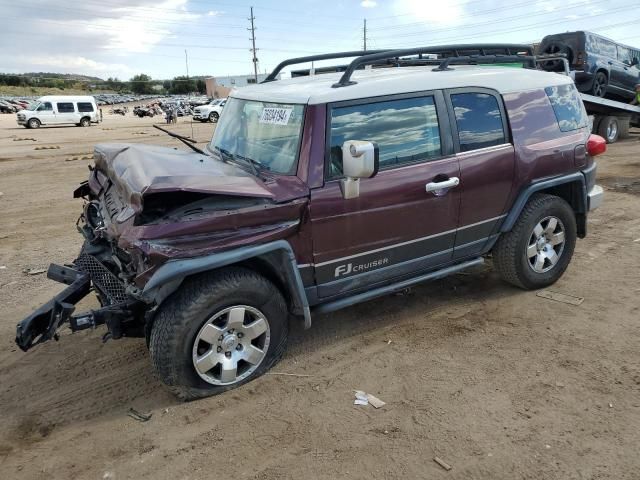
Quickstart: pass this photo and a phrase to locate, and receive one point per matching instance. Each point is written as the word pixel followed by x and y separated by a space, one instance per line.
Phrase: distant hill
pixel 64 76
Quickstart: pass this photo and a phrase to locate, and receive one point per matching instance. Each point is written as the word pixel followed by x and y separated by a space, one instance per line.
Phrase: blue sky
pixel 124 37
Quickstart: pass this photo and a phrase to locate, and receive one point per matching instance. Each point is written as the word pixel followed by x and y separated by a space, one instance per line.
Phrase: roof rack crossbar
pixel 316 58
pixel 370 58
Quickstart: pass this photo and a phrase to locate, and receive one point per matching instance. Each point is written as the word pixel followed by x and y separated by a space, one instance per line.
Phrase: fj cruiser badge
pixel 348 268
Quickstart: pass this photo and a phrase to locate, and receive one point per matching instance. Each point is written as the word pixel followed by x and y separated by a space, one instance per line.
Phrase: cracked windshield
pixel 265 134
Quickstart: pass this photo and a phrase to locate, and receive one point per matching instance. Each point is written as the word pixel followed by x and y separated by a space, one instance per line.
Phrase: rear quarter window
pixel 567 107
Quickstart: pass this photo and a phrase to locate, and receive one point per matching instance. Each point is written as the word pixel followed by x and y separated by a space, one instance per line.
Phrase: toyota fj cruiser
pixel 319 192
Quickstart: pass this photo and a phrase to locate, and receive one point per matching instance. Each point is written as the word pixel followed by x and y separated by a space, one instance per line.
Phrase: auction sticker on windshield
pixel 275 116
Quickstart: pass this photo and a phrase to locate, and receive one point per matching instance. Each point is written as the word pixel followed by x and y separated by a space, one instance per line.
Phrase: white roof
pixel 388 81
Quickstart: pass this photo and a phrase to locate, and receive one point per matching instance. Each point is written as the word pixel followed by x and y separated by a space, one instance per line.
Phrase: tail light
pixel 596 145
pixel 579 59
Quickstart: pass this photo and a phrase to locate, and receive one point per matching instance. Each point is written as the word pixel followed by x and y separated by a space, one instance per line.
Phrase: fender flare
pixel 525 194
pixel 169 276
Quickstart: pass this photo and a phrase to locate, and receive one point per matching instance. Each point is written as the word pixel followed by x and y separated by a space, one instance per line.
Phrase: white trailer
pixel 611 119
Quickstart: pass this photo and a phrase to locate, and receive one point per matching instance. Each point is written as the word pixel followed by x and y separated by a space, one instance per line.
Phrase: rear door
pixel 395 226
pixel 487 166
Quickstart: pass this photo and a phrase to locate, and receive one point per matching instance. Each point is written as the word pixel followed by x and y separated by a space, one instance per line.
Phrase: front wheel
pixel 539 247
pixel 33 123
pixel 218 331
pixel 213 117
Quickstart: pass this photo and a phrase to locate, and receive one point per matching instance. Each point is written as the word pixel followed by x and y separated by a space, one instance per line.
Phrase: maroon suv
pixel 319 192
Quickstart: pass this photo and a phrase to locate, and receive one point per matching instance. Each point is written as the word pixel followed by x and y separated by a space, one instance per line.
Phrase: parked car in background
pixel 602 67
pixel 210 112
pixel 59 110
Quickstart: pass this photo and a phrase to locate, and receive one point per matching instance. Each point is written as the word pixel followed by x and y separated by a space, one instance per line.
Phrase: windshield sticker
pixel 275 116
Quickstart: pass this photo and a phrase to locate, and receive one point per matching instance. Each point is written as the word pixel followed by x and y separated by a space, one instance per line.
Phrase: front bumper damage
pixel 119 311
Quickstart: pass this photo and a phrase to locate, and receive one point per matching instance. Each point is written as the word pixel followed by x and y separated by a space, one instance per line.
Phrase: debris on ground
pixel 561 297
pixel 34 271
pixel 140 416
pixel 364 398
pixel 51 147
pixel 442 463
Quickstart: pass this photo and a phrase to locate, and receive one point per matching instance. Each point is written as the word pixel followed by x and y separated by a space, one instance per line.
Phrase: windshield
pixel 34 106
pixel 266 134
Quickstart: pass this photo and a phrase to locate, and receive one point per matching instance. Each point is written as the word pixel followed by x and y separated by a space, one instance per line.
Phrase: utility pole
pixel 186 61
pixel 254 49
pixel 365 35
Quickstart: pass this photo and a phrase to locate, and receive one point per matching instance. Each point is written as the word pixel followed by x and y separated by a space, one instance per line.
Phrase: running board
pixel 396 287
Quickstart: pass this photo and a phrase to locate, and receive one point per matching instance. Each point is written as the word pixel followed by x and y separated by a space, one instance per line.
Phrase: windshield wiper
pixel 186 140
pixel 239 160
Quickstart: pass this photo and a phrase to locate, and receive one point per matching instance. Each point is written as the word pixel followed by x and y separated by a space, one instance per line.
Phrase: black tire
pixel 609 129
pixel 182 316
pixel 85 122
pixel 624 124
pixel 213 117
pixel 510 257
pixel 557 65
pixel 33 123
pixel 600 83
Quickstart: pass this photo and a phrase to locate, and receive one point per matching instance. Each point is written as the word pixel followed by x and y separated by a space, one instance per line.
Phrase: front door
pixel 46 114
pixel 397 225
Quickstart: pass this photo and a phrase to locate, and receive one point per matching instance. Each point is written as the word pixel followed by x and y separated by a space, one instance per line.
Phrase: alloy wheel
pixel 546 244
pixel 600 85
pixel 231 345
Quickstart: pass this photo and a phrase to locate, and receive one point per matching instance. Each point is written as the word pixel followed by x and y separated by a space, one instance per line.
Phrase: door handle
pixel 436 186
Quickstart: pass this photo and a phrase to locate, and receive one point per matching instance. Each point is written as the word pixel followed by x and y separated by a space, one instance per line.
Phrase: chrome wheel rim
pixel 546 244
pixel 612 130
pixel 231 345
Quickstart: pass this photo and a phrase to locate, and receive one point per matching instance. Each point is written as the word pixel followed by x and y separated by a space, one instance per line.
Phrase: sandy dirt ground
pixel 497 382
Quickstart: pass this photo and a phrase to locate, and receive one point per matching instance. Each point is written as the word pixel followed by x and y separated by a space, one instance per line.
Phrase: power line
pixel 491 22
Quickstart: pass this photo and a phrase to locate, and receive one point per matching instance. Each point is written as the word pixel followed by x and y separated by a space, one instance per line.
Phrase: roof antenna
pixel 444 66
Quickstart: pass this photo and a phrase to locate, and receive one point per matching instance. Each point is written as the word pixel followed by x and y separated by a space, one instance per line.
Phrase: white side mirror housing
pixel 360 159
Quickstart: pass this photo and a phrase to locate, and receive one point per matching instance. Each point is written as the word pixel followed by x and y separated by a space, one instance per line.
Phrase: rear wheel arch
pixel 571 189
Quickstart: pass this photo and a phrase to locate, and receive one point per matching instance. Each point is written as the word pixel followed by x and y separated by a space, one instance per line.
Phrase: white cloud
pixel 213 13
pixel 70 64
pixel 129 34
pixel 369 3
pixel 447 12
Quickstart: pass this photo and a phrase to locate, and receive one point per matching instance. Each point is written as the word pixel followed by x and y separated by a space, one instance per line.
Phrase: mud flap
pixel 42 324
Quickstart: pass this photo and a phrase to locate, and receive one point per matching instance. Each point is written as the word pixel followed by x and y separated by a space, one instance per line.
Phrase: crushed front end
pixel 145 206
pixel 101 267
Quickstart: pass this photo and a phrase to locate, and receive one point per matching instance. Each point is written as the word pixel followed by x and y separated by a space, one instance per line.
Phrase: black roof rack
pixel 316 58
pixel 370 59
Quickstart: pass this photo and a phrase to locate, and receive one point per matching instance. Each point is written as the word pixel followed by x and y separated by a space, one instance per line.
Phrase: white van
pixel 59 110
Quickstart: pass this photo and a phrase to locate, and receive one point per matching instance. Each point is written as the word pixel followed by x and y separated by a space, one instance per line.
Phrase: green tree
pixel 182 85
pixel 166 85
pixel 201 86
pixel 141 84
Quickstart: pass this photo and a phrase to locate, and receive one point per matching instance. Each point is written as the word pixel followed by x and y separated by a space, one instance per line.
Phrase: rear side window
pixel 65 108
pixel 479 120
pixel 85 107
pixel 405 130
pixel 601 46
pixel 567 106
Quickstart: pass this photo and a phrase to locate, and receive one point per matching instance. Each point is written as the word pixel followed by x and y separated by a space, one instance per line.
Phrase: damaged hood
pixel 138 170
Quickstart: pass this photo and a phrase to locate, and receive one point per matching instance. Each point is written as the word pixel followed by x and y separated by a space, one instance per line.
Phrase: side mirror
pixel 359 160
